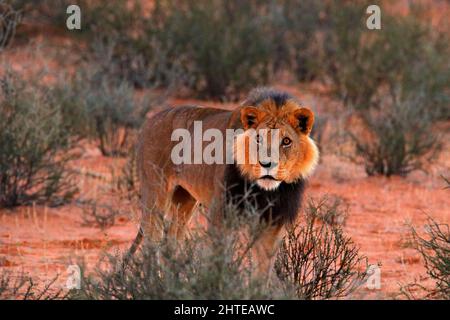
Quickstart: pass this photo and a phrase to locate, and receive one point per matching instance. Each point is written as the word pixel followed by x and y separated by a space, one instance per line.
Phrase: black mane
pixel 258 95
pixel 279 206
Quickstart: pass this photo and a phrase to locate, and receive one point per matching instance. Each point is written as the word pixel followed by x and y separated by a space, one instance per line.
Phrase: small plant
pixel 101 215
pixel 317 260
pixel 117 197
pixel 35 146
pixel 97 106
pixel 399 139
pixel 114 114
pixel 127 182
pixel 331 210
pixel 9 19
pixel 9 287
pixel 117 43
pixel 20 286
pixel 435 251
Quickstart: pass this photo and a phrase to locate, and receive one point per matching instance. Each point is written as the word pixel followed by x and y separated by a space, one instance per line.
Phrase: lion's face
pixel 282 132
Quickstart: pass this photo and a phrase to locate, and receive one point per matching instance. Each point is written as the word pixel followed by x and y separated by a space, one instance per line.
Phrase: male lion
pixel 172 190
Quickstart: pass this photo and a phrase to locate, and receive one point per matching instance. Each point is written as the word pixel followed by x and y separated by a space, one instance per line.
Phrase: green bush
pixel 42 12
pixel 394 80
pixel 116 40
pixel 363 66
pixel 294 32
pixel 98 106
pixel 35 146
pixel 222 45
pixel 400 138
pixel 331 210
pixel 215 49
pixel 317 260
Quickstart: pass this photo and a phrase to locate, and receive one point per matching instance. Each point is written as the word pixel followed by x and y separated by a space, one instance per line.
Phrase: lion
pixel 172 191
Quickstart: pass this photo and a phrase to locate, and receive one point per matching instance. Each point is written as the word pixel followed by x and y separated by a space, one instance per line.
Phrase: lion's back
pixel 155 145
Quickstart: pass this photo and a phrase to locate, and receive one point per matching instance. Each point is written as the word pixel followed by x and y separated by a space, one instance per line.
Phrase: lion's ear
pixel 303 120
pixel 250 117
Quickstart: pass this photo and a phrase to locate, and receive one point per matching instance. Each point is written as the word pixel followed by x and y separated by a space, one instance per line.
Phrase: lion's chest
pixel 281 205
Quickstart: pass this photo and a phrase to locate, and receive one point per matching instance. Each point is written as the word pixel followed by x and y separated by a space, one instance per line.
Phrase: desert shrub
pixel 317 260
pixel 295 26
pixel 9 287
pixel 118 42
pixel 20 286
pixel 126 182
pixel 221 45
pixel 434 248
pixel 348 57
pixel 51 13
pixel 114 36
pixel 113 114
pixel 9 19
pixel 363 66
pixel 397 93
pixel 317 263
pixel 213 264
pixel 35 146
pixel 118 196
pixel 399 138
pixel 217 49
pixel 331 210
pixel 97 214
pixel 98 106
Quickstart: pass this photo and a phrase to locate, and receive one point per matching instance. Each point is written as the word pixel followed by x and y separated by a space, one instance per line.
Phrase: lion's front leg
pixel 265 249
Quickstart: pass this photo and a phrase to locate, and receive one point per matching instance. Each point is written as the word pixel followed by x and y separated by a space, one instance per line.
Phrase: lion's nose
pixel 267 164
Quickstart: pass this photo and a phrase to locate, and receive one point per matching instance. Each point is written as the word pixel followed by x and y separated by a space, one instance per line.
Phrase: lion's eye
pixel 286 142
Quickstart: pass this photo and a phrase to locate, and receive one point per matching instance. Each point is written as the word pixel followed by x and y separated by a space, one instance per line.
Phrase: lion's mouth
pixel 268 177
pixel 268 183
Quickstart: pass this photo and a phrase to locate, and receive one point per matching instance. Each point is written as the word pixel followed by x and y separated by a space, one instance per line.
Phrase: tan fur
pixel 170 192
